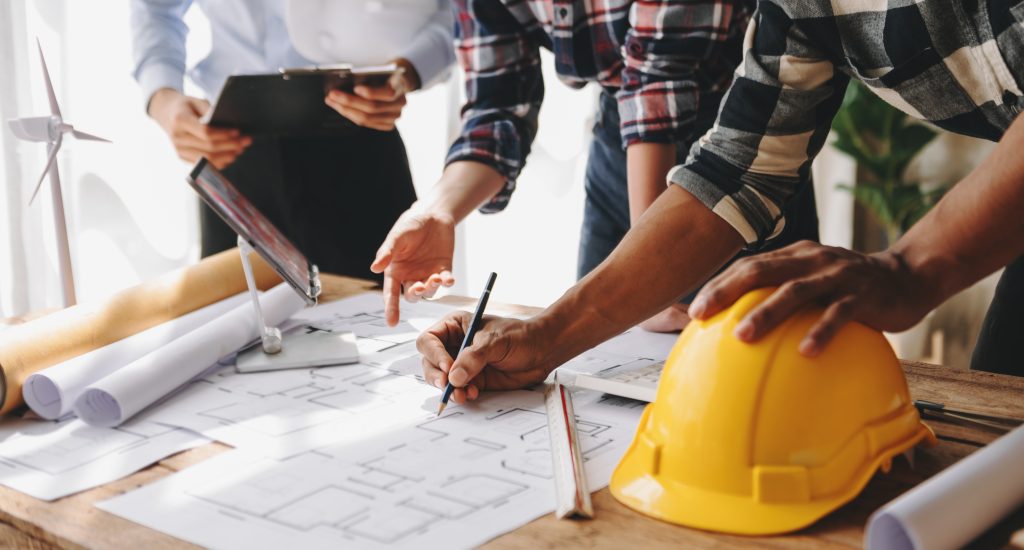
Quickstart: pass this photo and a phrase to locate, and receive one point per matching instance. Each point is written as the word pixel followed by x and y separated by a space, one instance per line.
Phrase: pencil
pixel 478 315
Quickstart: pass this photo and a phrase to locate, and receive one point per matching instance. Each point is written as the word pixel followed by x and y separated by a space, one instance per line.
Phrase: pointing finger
pixel 391 296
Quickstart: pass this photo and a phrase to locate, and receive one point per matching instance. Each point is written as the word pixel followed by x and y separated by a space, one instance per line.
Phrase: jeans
pixel 606 211
pixel 1003 328
pixel 335 197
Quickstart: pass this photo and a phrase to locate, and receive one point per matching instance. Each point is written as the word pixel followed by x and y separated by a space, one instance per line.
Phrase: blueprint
pixel 456 481
pixel 633 348
pixel 50 460
pixel 280 411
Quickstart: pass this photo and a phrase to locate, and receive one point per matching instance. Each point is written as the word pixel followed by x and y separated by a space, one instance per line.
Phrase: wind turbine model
pixel 51 129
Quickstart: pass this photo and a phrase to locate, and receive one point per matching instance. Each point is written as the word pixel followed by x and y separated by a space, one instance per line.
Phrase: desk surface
pixel 74 522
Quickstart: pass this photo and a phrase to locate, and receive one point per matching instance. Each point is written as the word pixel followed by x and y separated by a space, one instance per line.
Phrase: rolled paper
pixel 121 395
pixel 51 392
pixel 30 347
pixel 957 505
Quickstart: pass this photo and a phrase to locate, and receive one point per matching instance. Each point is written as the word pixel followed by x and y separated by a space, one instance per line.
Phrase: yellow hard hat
pixel 757 439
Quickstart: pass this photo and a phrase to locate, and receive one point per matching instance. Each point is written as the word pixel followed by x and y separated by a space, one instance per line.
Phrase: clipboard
pixel 291 101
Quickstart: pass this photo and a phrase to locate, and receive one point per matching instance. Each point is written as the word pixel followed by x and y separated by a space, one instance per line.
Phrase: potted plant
pixel 883 141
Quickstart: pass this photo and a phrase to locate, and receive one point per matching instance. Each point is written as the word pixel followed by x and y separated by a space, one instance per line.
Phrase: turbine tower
pixel 51 130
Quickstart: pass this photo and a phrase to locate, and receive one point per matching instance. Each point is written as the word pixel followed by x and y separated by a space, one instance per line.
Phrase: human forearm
pixel 647 164
pixel 673 247
pixel 975 229
pixel 463 187
pixel 159 106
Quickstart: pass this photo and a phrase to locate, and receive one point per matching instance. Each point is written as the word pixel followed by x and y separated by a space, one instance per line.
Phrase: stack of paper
pixel 50 460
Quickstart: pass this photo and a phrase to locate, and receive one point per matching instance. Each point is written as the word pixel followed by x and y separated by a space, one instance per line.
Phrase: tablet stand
pixel 270 336
pixel 310 347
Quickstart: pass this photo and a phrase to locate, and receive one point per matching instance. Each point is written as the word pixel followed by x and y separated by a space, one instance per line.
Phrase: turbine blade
pixel 54 108
pixel 49 164
pixel 31 129
pixel 89 137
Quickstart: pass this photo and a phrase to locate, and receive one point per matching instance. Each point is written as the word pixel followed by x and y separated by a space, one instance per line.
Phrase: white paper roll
pixel 957 505
pixel 117 397
pixel 52 392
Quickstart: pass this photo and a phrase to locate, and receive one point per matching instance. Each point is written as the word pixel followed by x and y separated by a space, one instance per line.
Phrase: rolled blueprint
pixel 51 392
pixel 114 399
pixel 55 338
pixel 954 507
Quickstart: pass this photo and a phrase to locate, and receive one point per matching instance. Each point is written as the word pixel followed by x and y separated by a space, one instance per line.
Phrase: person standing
pixel 958 65
pixel 334 195
pixel 663 67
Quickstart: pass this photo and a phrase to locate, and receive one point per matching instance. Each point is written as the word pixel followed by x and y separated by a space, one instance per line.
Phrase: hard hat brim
pixel 673 502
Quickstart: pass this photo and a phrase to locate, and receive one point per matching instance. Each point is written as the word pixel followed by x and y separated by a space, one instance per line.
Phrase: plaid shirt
pixel 668 62
pixel 959 65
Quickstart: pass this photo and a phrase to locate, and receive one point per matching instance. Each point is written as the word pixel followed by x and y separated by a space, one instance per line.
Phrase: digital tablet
pixel 252 226
pixel 291 102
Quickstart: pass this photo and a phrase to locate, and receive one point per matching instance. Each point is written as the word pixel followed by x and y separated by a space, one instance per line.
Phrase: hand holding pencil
pixel 495 358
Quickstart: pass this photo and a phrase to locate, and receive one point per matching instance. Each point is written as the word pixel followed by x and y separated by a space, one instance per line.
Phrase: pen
pixel 478 315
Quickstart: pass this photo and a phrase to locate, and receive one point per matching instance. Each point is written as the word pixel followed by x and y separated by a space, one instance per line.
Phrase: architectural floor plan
pixel 454 481
pixel 49 460
pixel 304 408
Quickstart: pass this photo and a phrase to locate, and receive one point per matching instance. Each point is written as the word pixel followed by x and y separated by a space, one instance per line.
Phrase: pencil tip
pixel 441 408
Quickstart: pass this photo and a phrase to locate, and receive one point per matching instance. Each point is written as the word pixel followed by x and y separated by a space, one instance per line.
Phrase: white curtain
pixel 130 215
pixel 22 257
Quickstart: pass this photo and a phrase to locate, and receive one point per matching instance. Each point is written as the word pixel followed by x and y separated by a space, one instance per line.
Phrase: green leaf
pixel 875 200
pixel 907 142
pixel 883 141
pixel 866 110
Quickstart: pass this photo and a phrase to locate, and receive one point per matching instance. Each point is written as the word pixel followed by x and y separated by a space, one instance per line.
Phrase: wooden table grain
pixel 73 522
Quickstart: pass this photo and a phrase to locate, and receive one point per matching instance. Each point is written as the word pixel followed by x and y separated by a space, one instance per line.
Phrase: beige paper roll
pixel 37 344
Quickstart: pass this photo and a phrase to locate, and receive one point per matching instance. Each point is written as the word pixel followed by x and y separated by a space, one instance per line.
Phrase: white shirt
pixel 252 36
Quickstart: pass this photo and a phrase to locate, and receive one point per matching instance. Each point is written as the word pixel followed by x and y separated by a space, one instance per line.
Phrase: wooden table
pixel 74 522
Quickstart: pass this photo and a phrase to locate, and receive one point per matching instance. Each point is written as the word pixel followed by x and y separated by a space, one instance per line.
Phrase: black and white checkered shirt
pixel 956 63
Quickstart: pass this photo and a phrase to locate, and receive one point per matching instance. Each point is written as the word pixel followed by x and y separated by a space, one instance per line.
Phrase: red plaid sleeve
pixel 504 90
pixel 675 50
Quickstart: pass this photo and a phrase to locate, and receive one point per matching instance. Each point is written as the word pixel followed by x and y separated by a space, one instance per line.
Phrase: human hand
pixel 506 354
pixel 671 319
pixel 417 256
pixel 179 116
pixel 877 290
pixel 371 107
